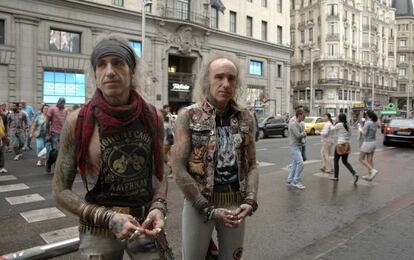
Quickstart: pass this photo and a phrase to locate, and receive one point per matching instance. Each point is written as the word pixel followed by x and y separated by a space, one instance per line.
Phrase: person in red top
pixel 55 119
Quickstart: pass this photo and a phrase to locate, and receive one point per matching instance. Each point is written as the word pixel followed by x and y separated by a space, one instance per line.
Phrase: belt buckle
pixel 123 210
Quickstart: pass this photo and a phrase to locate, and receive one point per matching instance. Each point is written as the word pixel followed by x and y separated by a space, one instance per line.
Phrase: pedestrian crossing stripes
pixel 60 234
pixel 24 199
pixel 322 175
pixel 8 178
pixel 264 164
pixel 42 214
pixel 13 187
pixel 286 168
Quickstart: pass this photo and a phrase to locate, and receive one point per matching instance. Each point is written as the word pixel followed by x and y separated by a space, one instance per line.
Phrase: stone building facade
pixel 45 47
pixel 353 47
pixel 405 55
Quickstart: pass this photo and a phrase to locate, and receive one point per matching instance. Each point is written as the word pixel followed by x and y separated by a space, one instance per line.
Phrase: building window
pixel 182 9
pixel 340 94
pixel 256 68
pixel 279 70
pixel 346 34
pixel 310 34
pixel 64 41
pixel 403 43
pixel 332 50
pixel 250 1
pixel 292 38
pixel 70 85
pixel 402 57
pixel 264 31
pixel 279 34
pixel 302 36
pixel 279 6
pixel 2 31
pixel 264 3
pixel 332 29
pixel 148 8
pixel 332 10
pixel 402 87
pixel 233 20
pixel 249 26
pixel 214 17
pixel 365 39
pixel 137 47
pixel 403 72
pixel 118 2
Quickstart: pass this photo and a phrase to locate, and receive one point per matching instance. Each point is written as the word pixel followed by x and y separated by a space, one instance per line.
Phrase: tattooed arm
pixel 180 154
pixel 155 219
pixel 250 202
pixel 122 225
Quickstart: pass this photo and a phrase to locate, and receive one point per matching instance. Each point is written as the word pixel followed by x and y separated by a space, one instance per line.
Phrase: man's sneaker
pixel 17 157
pixel 3 170
pixel 39 163
pixel 374 172
pixel 366 177
pixel 356 177
pixel 299 186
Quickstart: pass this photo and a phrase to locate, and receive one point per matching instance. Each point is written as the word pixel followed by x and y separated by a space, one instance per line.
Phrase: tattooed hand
pixel 123 225
pixel 244 211
pixel 228 217
pixel 154 223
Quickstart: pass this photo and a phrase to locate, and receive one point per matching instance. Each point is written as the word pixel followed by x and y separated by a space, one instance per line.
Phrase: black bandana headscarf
pixel 112 47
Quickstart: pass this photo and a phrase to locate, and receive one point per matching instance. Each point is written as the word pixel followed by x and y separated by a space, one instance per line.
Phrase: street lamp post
pixel 373 90
pixel 408 101
pixel 144 4
pixel 311 82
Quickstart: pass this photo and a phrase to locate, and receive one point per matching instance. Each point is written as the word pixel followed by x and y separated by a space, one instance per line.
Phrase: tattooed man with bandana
pixel 115 142
pixel 215 162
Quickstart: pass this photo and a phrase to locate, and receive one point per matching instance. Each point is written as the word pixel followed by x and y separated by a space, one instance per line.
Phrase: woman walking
pixel 38 130
pixel 342 147
pixel 369 144
pixel 327 135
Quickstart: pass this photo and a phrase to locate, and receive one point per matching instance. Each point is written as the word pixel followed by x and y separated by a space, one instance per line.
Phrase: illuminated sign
pixel 180 87
pixel 69 85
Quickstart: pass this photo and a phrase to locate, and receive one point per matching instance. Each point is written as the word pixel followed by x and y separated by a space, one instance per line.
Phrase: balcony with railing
pixel 332 37
pixel 332 17
pixel 185 14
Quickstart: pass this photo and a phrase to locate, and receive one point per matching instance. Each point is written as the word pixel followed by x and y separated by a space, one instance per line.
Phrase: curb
pixel 45 251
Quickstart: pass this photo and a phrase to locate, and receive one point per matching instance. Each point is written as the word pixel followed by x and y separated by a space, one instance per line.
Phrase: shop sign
pixel 179 87
pixel 390 109
pixel 358 104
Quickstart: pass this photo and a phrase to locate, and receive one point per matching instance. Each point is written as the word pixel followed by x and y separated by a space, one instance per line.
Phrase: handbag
pixel 342 149
pixel 2 129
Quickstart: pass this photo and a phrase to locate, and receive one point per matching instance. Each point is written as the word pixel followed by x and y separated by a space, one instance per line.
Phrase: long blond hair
pixel 202 90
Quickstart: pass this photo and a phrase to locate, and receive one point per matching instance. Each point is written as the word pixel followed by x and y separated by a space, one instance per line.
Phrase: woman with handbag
pixel 342 148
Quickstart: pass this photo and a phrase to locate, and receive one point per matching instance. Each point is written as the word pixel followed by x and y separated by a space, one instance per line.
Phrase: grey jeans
pixel 103 247
pixel 196 236
pixel 2 149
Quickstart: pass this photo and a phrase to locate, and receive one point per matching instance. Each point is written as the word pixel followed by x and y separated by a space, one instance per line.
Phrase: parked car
pixel 399 131
pixel 313 125
pixel 273 125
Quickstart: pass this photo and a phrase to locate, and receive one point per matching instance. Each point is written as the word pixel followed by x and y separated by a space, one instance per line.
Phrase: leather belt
pixel 226 198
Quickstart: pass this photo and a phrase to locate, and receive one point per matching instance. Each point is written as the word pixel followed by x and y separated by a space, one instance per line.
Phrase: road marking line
pixel 60 234
pixel 286 168
pixel 13 187
pixel 7 178
pixel 24 199
pixel 261 149
pixel 363 182
pixel 42 214
pixel 264 164
pixel 284 147
pixel 323 175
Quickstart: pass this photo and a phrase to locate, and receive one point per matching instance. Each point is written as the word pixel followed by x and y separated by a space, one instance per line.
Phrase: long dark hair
pixel 371 114
pixel 342 119
pixel 329 117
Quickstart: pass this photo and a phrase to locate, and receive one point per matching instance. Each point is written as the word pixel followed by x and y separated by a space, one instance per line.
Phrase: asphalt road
pixel 326 221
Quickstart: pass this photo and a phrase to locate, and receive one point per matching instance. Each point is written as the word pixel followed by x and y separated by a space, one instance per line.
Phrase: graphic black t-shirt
pixel 125 177
pixel 226 162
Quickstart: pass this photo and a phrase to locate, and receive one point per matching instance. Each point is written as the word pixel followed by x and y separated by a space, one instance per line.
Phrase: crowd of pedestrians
pixel 336 136
pixel 19 124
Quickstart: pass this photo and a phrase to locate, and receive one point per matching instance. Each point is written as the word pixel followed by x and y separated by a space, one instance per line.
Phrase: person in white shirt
pixel 327 136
